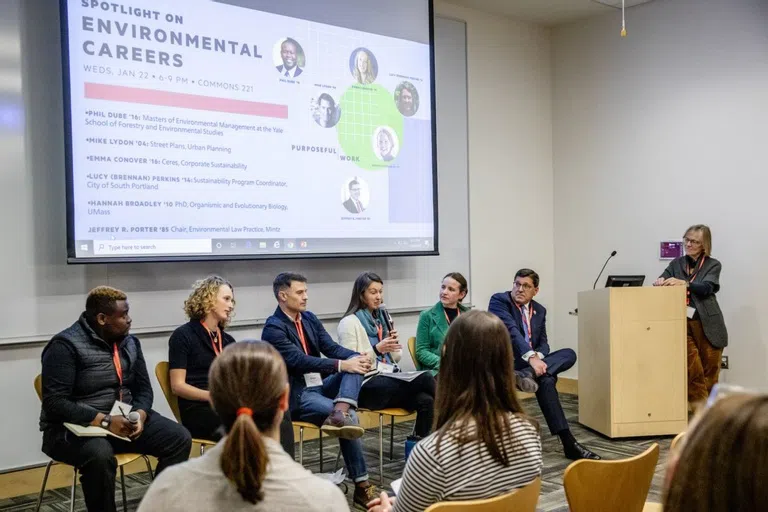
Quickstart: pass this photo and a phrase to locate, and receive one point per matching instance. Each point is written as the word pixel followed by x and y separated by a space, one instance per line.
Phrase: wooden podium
pixel 633 371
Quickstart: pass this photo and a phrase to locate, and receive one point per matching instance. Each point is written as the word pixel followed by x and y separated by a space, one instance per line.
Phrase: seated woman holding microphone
pixel 192 349
pixel 247 470
pixel 367 329
pixel 434 323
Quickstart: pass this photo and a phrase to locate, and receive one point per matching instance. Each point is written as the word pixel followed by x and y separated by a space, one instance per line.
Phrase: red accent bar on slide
pixel 182 100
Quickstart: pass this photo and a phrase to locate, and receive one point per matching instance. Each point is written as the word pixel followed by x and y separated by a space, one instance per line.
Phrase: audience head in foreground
pixel 722 463
pixel 484 445
pixel 249 391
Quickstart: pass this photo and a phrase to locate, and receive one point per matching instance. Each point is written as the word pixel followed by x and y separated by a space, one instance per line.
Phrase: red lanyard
pixel 300 329
pixel 691 278
pixel 527 319
pixel 379 331
pixel 216 340
pixel 458 312
pixel 118 368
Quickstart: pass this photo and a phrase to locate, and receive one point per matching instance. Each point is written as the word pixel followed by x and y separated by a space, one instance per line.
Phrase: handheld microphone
pixel 134 418
pixel 387 318
pixel 601 270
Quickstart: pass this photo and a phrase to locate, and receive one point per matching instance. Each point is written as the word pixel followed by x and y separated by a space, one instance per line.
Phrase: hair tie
pixel 245 410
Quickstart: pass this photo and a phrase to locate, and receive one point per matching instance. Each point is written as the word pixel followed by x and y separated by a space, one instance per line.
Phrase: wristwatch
pixel 105 421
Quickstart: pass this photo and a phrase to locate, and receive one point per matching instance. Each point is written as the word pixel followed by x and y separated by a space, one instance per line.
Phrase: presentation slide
pixel 223 129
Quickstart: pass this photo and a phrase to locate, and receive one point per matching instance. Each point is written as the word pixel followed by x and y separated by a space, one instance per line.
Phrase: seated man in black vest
pixel 86 369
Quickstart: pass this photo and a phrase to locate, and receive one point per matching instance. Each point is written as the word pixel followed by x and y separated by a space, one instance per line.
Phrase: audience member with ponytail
pixel 247 470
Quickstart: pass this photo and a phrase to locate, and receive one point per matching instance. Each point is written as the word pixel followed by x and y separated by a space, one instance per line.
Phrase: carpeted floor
pixel 552 497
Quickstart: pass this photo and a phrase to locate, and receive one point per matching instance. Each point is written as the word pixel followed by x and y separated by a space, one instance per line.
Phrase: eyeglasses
pixel 525 286
pixel 691 241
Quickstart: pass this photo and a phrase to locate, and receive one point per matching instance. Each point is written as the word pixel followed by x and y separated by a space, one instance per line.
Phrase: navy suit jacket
pixel 503 306
pixel 280 331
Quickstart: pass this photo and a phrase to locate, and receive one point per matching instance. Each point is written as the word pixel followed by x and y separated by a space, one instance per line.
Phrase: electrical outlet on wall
pixel 723 362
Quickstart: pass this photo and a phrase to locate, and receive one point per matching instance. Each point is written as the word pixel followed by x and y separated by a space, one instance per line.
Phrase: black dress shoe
pixel 575 451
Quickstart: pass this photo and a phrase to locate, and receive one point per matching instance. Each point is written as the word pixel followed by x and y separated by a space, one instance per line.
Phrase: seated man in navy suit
pixel 526 321
pixel 323 389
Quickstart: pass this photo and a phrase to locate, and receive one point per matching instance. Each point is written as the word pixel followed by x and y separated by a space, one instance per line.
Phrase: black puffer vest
pixel 96 383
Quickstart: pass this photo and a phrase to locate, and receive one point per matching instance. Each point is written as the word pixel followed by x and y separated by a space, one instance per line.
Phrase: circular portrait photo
pixel 289 58
pixel 363 66
pixel 407 99
pixel 385 144
pixel 325 111
pixel 355 195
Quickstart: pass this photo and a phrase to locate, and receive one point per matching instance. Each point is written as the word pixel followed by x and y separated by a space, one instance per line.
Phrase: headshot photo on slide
pixel 407 99
pixel 289 58
pixel 363 66
pixel 355 195
pixel 385 143
pixel 325 111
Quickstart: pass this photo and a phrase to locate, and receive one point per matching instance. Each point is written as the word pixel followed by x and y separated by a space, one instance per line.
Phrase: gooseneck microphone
pixel 601 270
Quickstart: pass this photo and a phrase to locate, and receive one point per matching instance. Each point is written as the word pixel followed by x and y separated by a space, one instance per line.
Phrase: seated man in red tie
pixel 353 204
pixel 526 321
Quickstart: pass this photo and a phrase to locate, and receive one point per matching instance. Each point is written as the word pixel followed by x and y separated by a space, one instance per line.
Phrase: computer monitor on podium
pixel 624 281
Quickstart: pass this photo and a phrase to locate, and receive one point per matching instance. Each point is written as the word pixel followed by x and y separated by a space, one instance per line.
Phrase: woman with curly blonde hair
pixel 192 349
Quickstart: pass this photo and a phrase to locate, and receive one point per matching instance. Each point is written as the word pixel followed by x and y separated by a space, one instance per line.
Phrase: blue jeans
pixel 317 403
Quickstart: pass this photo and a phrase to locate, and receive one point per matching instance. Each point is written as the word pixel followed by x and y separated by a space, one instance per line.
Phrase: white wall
pixel 658 131
pixel 510 152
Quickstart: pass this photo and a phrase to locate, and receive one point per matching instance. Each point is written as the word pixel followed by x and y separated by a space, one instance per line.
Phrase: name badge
pixel 313 379
pixel 386 368
pixel 691 312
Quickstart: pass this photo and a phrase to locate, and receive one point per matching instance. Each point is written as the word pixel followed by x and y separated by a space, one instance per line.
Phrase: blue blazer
pixel 504 307
pixel 280 331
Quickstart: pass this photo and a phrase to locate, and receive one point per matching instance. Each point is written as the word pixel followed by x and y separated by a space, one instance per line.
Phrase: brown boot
pixel 363 495
pixel 343 425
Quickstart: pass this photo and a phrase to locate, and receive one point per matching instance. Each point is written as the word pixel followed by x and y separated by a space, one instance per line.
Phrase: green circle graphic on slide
pixel 363 109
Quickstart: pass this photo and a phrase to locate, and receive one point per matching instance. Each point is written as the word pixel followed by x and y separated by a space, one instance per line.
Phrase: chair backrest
pixel 39 386
pixel 610 485
pixel 163 374
pixel 523 499
pixel 676 441
pixel 412 350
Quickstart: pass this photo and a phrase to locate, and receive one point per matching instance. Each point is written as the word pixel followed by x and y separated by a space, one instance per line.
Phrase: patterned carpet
pixel 552 497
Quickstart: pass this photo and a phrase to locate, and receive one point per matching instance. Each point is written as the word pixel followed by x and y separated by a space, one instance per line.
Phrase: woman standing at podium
pixel 707 335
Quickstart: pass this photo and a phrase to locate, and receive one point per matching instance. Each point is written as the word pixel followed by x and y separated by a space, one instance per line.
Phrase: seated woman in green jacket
pixel 434 323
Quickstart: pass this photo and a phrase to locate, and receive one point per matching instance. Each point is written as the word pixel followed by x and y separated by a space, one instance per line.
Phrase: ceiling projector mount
pixel 622 4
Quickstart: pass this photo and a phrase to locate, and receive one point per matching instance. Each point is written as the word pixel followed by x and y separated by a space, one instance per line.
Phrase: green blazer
pixel 430 335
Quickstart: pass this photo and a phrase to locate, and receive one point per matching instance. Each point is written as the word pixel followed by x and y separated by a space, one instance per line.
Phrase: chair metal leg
pixel 149 467
pixel 202 449
pixel 381 449
pixel 391 437
pixel 42 487
pixel 320 432
pixel 122 486
pixel 301 446
pixel 72 495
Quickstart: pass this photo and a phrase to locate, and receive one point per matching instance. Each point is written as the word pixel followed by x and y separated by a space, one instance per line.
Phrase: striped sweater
pixel 467 472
